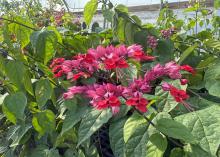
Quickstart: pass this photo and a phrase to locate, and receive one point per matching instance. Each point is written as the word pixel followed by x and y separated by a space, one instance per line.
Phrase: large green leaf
pixel 73 116
pixel 14 106
pixel 44 122
pixel 92 122
pixel 195 151
pixel 187 52
pixel 166 102
pixel 22 33
pixel 27 83
pixel 177 152
pixel 175 130
pixel 116 137
pixel 133 122
pixel 19 134
pixel 43 92
pixel 15 71
pixel 205 127
pixel 44 43
pixel 136 136
pixel 216 4
pixel 156 146
pixel 121 23
pixel 165 50
pixel 43 151
pixel 89 10
pixel 211 43
pixel 211 78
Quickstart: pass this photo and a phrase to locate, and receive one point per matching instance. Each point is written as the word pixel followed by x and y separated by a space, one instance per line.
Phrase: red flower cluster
pixel 109 95
pixel 178 94
pixel 101 58
pixel 82 65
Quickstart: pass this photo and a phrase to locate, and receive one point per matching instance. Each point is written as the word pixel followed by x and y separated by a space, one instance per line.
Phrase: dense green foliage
pixel 35 121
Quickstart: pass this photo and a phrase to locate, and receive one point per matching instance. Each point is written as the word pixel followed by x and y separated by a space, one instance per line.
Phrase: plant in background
pixel 134 90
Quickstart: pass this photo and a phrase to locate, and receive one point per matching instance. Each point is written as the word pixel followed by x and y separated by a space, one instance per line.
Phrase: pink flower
pixel 97 53
pixel 104 96
pixel 166 86
pixel 115 62
pixel 178 94
pixel 121 50
pixel 188 68
pixel 72 91
pixel 57 61
pixel 156 72
pixel 80 74
pixel 136 52
pixel 173 70
pixel 115 110
pixel 183 81
pixel 137 85
pixel 138 101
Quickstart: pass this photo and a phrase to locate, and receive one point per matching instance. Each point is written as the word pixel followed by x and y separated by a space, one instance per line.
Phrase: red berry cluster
pixel 167 33
pixel 152 42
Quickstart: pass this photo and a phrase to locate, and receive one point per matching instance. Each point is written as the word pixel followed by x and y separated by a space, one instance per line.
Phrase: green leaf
pixel 19 134
pixel 120 30
pixel 108 14
pixel 133 122
pixel 121 8
pixel 211 79
pixel 130 30
pixel 39 151
pixel 156 146
pixel 211 43
pixel 177 152
pixel 136 136
pixel 70 153
pixel 22 33
pixel 195 151
pixel 44 43
pixel 175 130
pixel 43 151
pixel 67 139
pixel 187 52
pixel 216 4
pixel 116 137
pixel 44 122
pixel 59 37
pixel 43 92
pixel 15 71
pixel 205 127
pixel 164 50
pixel 92 122
pixel 73 117
pixel 14 106
pixel 52 153
pixel 2 65
pixel 90 10
pixel 27 83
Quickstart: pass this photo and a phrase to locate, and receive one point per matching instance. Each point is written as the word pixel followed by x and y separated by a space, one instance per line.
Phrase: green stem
pixel 1 18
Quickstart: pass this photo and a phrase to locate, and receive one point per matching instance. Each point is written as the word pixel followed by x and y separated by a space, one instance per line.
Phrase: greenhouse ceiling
pixel 81 3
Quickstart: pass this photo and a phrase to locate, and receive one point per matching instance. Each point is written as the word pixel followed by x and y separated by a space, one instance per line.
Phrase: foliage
pixel 177 116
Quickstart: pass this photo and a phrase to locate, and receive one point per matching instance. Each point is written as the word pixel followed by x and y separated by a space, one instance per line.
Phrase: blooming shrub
pixel 104 94
pixel 133 90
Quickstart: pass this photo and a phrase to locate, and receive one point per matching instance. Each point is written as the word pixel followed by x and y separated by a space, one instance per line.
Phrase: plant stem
pixel 1 18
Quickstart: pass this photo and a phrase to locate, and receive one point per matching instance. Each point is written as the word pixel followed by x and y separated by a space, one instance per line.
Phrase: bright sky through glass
pixel 81 3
